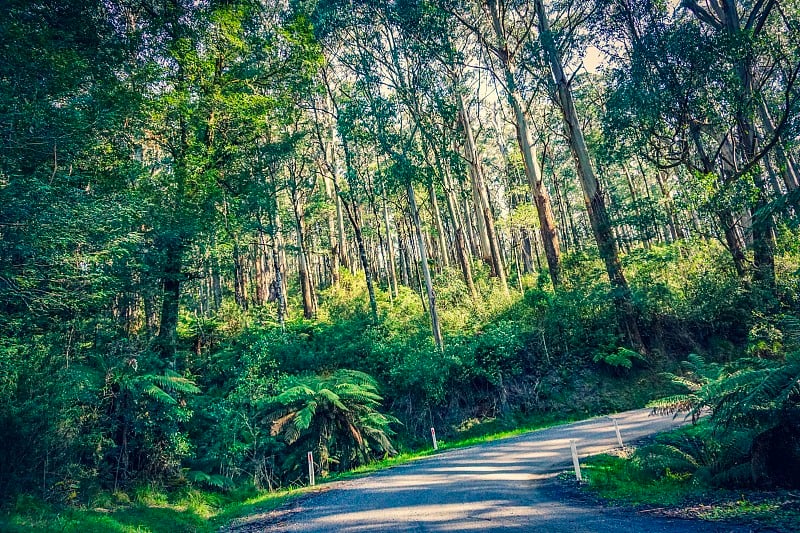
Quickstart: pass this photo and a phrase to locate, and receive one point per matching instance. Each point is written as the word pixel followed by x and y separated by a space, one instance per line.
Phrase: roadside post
pixel 433 438
pixel 311 481
pixel 616 429
pixel 575 462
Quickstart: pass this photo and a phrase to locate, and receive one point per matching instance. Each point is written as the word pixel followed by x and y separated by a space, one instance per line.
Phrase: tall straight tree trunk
pixel 334 238
pixel 353 211
pixel 402 248
pixel 277 291
pixel 541 197
pixel 303 269
pixel 354 214
pixel 390 249
pixel 787 166
pixel 593 195
pixel 566 226
pixel 732 241
pixel 672 223
pixel 485 209
pixel 763 231
pixel 238 275
pixel 645 239
pixel 216 282
pixel 462 252
pixel 527 249
pixel 441 237
pixel 476 183
pixel 262 269
pixel 426 273
pixel 469 227
pixel 277 285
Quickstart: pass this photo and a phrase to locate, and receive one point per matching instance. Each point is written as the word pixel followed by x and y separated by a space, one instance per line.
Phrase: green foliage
pixel 156 164
pixel 616 478
pixel 620 358
pixel 621 479
pixel 334 415
pixel 757 397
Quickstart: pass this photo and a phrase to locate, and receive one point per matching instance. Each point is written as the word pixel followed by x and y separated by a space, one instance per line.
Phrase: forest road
pixel 506 485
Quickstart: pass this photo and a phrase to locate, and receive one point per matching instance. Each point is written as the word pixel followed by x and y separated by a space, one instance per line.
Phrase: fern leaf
pixel 159 395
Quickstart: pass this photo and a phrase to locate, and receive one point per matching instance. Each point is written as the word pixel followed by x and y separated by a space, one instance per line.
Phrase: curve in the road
pixel 504 485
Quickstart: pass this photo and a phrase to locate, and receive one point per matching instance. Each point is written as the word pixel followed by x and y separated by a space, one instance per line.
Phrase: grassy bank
pixel 655 478
pixel 150 510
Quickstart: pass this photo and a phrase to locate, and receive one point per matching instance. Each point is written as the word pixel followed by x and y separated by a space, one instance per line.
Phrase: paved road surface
pixel 505 485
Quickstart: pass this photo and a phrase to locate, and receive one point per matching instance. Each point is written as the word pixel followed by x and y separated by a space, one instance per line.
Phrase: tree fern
pixel 697 376
pixel 756 397
pixel 337 412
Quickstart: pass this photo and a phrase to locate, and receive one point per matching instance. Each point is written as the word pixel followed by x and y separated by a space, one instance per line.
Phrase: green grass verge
pixel 191 510
pixel 152 511
pixel 613 478
pixel 617 479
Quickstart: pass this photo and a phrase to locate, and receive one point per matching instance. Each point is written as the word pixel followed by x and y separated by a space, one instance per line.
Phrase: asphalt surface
pixel 506 485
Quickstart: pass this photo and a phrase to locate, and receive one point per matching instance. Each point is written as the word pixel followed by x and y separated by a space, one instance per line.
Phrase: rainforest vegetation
pixel 235 231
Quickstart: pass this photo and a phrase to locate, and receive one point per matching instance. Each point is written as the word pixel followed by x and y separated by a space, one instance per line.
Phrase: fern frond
pixel 305 415
pixel 175 382
pixel 159 395
pixel 672 405
pixel 278 425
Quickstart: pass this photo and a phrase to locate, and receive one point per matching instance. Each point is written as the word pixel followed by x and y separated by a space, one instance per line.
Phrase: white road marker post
pixel 433 437
pixel 619 437
pixel 311 481
pixel 575 462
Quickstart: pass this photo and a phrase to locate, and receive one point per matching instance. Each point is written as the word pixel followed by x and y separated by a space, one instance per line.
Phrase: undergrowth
pixel 662 477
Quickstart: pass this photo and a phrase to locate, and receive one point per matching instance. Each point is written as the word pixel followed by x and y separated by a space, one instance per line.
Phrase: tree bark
pixel 541 198
pixel 171 279
pixel 732 241
pixel 354 213
pixel 483 207
pixel 303 270
pixel 763 230
pixel 426 273
pixel 593 194
pixel 462 252
pixel 238 275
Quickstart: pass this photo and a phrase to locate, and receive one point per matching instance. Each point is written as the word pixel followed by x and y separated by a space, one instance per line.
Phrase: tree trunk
pixel 437 334
pixel 303 270
pixel 732 241
pixel 462 252
pixel 171 278
pixel 763 227
pixel 277 292
pixel 541 198
pixel 354 214
pixel 390 249
pixel 786 164
pixel 593 195
pixel 645 239
pixel 238 275
pixel 441 237
pixel 262 269
pixel 483 206
pixel 670 209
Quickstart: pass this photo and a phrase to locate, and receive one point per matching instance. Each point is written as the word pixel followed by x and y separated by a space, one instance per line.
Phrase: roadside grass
pixel 150 509
pixel 620 480
pixel 614 478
